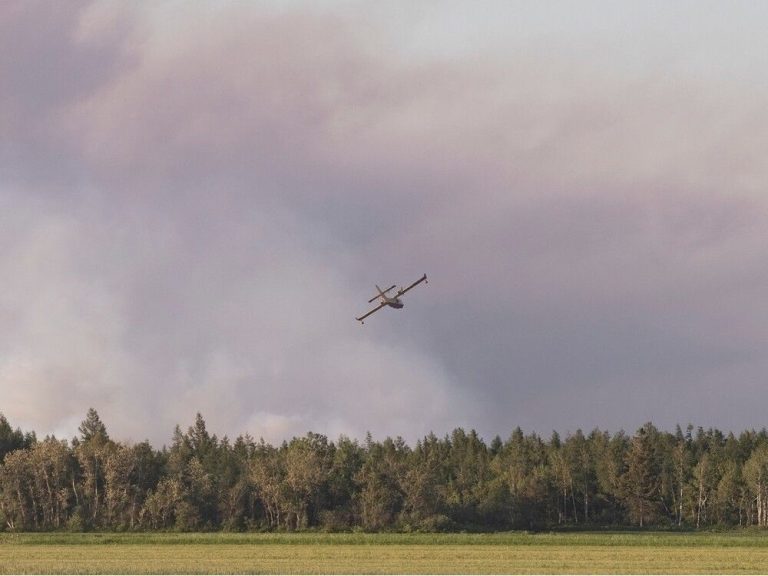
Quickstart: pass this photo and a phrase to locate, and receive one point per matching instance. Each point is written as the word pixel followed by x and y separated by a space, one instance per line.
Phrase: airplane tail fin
pixel 381 294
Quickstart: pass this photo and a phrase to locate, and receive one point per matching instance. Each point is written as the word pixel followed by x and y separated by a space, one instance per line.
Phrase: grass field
pixel 574 553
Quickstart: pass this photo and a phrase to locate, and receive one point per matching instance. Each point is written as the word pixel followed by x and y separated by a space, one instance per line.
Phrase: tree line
pixel 693 478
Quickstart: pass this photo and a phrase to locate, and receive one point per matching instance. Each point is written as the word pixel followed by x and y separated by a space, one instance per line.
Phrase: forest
pixel 687 479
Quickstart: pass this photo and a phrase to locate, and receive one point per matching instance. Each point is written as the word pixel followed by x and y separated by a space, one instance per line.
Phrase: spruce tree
pixel 641 481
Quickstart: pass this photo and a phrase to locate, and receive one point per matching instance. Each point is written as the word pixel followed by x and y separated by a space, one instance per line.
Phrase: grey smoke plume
pixel 197 201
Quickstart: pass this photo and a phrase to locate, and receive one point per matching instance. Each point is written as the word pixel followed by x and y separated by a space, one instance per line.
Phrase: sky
pixel 197 199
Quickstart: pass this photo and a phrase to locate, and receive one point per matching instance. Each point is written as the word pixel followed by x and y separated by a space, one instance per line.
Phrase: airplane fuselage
pixel 391 301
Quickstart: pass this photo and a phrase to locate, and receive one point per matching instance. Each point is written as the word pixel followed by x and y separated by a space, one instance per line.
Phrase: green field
pixel 636 553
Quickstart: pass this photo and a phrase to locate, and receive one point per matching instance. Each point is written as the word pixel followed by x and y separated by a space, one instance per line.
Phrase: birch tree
pixel 756 476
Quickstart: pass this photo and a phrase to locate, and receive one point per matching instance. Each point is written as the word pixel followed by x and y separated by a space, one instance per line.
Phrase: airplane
pixel 391 301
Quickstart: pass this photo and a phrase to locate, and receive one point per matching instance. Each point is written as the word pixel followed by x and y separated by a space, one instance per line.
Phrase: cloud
pixel 202 203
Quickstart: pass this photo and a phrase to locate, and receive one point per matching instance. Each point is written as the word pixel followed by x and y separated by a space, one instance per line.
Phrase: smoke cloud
pixel 198 201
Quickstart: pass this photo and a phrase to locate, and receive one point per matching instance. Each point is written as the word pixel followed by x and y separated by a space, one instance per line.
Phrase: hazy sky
pixel 196 200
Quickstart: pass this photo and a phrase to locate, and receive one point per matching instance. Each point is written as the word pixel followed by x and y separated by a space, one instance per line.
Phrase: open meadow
pixel 315 553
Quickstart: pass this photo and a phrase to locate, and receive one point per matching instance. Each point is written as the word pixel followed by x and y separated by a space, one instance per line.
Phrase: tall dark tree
pixel 641 483
pixel 193 465
pixel 519 488
pixel 92 428
pixel 92 451
pixel 468 473
pixel 381 479
pixel 426 485
pixel 577 452
pixel 11 439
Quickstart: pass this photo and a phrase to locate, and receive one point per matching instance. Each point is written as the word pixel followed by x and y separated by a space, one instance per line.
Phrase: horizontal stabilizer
pixel 382 292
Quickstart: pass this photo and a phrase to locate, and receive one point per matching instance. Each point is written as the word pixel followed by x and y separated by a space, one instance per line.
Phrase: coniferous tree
pixel 92 451
pixel 11 439
pixel 640 482
pixel 341 511
pixel 92 428
pixel 577 452
pixel 426 485
pixel 381 496
pixel 468 474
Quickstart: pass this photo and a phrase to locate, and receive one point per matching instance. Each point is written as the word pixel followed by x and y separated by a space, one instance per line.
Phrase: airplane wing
pixel 364 316
pixel 419 281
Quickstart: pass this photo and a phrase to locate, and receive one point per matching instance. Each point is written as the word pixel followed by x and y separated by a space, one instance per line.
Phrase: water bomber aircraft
pixel 391 301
